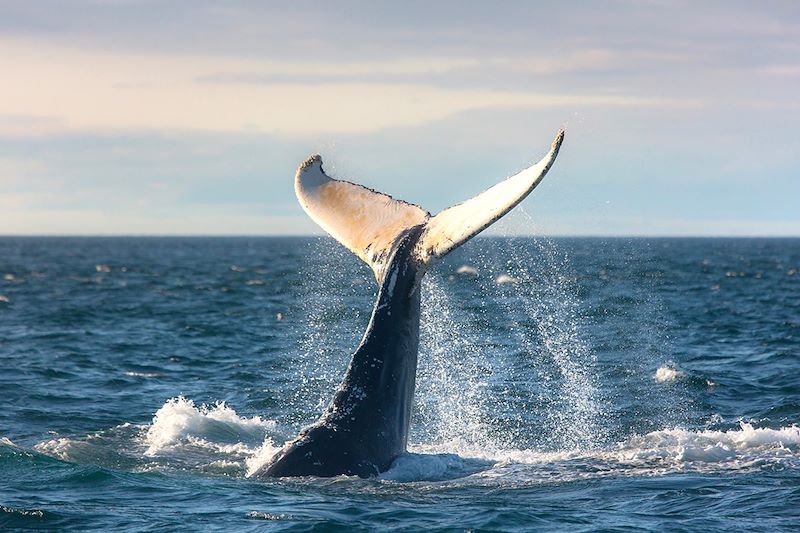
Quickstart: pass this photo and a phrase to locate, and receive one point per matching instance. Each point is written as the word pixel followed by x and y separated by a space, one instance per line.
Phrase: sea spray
pixel 473 394
pixel 451 382
pixel 180 420
pixel 744 448
pixel 333 308
pixel 548 298
pixel 540 387
pixel 562 407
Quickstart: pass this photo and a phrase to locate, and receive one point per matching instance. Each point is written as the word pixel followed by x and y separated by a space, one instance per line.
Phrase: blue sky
pixel 140 117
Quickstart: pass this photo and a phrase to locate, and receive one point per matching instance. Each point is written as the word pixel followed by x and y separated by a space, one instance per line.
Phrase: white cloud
pixel 19 169
pixel 52 89
pixel 17 220
pixel 787 70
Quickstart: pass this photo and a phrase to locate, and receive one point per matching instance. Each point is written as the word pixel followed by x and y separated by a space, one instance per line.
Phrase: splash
pixel 182 436
pixel 668 373
pixel 662 452
pixel 542 310
pixel 548 300
pixel 179 420
pixel 190 440
pixel 451 380
pixel 331 319
pixel 261 456
pixel 469 388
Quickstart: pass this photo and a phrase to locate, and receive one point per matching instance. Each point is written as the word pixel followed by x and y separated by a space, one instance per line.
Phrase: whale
pixel 366 425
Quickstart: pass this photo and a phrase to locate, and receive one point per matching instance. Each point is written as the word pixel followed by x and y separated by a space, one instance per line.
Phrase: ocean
pixel 579 384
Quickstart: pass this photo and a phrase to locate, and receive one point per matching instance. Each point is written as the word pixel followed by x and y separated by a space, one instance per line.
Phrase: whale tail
pixel 369 223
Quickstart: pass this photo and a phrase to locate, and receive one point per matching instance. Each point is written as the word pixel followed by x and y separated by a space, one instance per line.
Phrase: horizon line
pixel 312 235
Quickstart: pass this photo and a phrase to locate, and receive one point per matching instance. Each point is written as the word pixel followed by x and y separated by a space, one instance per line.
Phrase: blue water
pixel 564 384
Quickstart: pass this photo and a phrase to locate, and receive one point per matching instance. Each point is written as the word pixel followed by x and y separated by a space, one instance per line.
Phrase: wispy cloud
pixel 52 89
pixel 140 116
pixel 790 70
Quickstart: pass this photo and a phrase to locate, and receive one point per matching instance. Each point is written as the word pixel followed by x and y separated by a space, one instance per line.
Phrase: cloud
pixel 17 169
pixel 22 125
pixel 139 116
pixel 54 221
pixel 59 90
pixel 787 70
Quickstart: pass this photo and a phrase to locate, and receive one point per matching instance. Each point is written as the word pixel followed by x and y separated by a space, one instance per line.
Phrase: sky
pixel 138 117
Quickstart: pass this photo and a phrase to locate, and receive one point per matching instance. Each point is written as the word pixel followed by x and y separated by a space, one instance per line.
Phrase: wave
pixel 660 452
pixel 182 435
pixel 216 440
pixel 212 438
pixel 179 421
pixel 84 451
pixel 20 518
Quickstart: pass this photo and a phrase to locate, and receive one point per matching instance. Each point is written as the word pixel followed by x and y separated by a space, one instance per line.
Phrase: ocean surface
pixel 579 384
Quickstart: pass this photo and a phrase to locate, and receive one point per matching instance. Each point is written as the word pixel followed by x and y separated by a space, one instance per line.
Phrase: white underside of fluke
pixel 365 221
pixel 456 225
pixel 369 222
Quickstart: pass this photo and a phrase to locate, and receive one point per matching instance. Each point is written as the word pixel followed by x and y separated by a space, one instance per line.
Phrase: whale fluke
pixel 366 425
pixel 456 225
pixel 369 222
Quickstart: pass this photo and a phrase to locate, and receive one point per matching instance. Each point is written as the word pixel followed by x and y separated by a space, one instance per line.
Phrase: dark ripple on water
pixel 629 383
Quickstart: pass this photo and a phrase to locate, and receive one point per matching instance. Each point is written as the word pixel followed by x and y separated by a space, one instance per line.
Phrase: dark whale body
pixel 366 426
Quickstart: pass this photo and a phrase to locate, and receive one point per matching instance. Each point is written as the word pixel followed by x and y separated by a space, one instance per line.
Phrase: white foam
pixel 179 420
pixel 223 467
pixel 504 279
pixel 4 299
pixel 432 467
pixel 38 513
pixel 84 452
pixel 468 270
pixel 656 453
pixel 261 456
pixel 192 438
pixel 668 373
pixel 736 447
pixel 260 515
pixel 142 374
